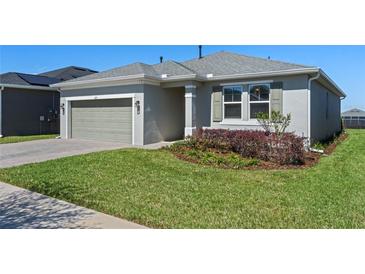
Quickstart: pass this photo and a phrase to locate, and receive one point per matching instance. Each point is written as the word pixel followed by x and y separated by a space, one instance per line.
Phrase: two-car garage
pixel 104 120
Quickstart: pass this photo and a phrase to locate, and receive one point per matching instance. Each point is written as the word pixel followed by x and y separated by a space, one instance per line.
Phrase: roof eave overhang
pixel 332 85
pixel 307 71
pixel 103 81
pixel 132 79
pixel 26 87
pixel 146 79
pixel 263 74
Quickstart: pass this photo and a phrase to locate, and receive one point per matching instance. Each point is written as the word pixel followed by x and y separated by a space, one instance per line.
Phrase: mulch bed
pixel 311 158
pixel 332 146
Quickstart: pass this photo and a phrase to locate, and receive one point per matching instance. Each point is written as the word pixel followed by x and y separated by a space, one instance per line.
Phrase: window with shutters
pixel 232 102
pixel 259 99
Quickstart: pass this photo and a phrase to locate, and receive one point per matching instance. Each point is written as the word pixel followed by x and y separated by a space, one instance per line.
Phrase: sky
pixel 344 64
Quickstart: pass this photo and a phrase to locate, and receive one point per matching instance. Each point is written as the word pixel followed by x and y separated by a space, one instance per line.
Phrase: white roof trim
pixel 325 76
pixel 101 80
pixel 262 74
pixel 157 80
pixel 26 87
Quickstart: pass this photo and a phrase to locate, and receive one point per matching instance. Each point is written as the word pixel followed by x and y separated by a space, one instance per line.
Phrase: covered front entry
pixel 104 120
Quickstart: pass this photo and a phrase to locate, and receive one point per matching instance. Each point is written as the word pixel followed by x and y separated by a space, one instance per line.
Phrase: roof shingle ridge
pixel 185 67
pixel 268 60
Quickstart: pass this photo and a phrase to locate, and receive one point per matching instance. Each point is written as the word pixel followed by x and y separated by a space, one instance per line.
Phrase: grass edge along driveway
pixel 153 188
pixel 18 139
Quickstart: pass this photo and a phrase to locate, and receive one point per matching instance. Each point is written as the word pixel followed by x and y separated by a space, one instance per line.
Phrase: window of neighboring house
pixel 259 99
pixel 232 102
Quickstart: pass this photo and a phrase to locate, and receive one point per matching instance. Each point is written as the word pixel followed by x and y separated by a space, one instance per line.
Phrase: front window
pixel 259 99
pixel 232 101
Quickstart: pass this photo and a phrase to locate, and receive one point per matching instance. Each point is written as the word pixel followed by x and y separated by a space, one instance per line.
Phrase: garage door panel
pixel 109 120
pixel 82 119
pixel 111 125
pixel 103 136
pixel 103 110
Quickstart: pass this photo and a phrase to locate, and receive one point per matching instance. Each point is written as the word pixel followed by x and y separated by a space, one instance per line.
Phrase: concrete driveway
pixel 43 150
pixel 21 208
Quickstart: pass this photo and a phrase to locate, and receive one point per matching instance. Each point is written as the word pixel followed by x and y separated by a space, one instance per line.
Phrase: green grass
pixel 18 139
pixel 154 188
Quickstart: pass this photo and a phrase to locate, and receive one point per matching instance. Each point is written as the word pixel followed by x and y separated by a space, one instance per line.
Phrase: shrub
pixel 211 157
pixel 276 121
pixel 284 148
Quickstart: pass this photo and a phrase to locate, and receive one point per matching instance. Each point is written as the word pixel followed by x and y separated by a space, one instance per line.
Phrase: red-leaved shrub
pixel 284 149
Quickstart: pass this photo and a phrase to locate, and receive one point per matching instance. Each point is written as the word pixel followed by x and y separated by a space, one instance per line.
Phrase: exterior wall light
pixel 138 106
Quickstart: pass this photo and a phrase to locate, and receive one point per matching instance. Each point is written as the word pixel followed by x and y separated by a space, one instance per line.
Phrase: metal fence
pixel 354 122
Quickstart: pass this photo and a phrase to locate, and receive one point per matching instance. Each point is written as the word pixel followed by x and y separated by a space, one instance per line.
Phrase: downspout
pixel 1 122
pixel 309 105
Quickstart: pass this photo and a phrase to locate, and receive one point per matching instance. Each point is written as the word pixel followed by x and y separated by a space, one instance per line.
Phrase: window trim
pixel 258 102
pixel 232 103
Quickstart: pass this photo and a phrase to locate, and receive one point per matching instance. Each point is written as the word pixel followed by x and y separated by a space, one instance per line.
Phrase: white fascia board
pixel 144 79
pixel 111 84
pixel 123 80
pixel 263 74
pixel 332 83
pixel 27 87
pixel 105 80
pixel 182 77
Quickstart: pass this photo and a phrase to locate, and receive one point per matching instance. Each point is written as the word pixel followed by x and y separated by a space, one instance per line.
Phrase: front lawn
pixel 156 189
pixel 18 139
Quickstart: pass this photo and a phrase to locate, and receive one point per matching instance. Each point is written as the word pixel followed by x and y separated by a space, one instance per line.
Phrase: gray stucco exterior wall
pixel 295 98
pixel 164 110
pixel 161 116
pixel 21 110
pixel 325 113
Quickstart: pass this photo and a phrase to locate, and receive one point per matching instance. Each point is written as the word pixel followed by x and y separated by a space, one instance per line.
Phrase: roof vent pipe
pixel 161 59
pixel 200 52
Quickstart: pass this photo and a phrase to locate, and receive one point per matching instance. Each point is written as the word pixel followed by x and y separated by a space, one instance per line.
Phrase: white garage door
pixel 105 120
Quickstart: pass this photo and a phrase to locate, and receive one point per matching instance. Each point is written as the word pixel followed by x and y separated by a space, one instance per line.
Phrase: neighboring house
pixel 68 73
pixel 354 118
pixel 142 104
pixel 28 105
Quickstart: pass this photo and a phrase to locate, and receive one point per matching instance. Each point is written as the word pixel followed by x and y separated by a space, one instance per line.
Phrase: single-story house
pixel 28 105
pixel 354 118
pixel 141 104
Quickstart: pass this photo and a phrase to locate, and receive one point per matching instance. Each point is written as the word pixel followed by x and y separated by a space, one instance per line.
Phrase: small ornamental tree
pixel 276 121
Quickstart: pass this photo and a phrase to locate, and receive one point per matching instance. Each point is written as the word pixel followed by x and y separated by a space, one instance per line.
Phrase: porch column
pixel 190 110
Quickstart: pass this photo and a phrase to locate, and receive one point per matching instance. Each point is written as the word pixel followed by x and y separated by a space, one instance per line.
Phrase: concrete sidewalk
pixel 21 208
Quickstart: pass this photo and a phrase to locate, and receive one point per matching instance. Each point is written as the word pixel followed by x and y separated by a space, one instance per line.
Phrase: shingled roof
pixel 44 79
pixel 218 64
pixel 68 73
pixel 355 112
pixel 228 63
pixel 16 78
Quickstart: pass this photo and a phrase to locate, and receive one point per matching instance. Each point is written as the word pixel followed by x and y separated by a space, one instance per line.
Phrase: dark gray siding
pixel 21 110
pixel 325 113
